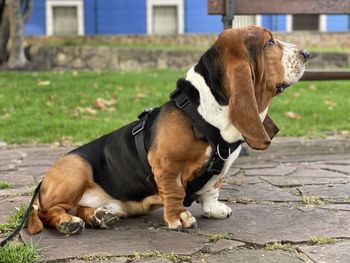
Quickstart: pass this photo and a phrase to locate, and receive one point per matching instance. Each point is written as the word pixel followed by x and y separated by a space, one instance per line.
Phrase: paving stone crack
pixel 335 171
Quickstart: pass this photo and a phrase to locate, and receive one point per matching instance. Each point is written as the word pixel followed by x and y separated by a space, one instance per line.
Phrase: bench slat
pixel 326 75
pixel 250 7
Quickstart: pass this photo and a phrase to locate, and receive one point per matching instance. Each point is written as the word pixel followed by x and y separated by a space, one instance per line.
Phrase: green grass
pixel 15 253
pixel 322 106
pixel 14 220
pixel 329 49
pixel 52 106
pixel 279 246
pixel 319 240
pixel 312 200
pixel 49 106
pixel 217 236
pixel 5 185
pixel 169 256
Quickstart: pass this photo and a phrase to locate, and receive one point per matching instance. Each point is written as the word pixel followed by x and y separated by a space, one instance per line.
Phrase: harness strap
pixel 24 219
pixel 138 134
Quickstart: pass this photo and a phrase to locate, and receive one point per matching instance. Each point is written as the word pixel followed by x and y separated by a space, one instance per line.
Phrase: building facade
pixel 161 17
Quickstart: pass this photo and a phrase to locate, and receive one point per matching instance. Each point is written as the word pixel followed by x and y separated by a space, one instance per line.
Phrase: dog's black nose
pixel 306 54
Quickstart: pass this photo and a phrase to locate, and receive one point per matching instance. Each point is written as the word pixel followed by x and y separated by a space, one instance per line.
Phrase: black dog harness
pixel 221 149
pixel 118 167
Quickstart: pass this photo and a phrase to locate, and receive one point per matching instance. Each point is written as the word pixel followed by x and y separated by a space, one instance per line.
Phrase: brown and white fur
pixel 254 69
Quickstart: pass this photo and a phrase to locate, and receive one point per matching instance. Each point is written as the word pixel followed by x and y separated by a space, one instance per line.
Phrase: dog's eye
pixel 270 42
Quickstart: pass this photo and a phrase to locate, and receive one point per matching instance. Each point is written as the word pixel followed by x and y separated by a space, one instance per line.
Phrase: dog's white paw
pixel 216 210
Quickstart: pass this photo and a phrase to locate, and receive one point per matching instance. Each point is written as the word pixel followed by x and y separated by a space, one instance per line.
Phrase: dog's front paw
pixel 185 220
pixel 71 227
pixel 103 218
pixel 216 210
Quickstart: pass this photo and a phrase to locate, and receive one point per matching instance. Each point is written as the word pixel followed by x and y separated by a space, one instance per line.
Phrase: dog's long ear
pixel 243 108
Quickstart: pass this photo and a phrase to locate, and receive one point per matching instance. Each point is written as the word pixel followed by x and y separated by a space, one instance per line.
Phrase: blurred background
pixel 72 70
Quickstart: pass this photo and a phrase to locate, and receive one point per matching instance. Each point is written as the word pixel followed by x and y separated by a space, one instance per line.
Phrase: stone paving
pixel 295 190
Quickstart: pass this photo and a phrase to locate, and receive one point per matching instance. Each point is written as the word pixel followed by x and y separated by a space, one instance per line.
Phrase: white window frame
pixel 50 4
pixel 180 13
pixel 322 23
pixel 257 18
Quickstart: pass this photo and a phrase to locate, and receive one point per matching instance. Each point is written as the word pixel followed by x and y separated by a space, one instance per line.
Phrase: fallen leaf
pixel 331 104
pixel 345 133
pixel 5 116
pixel 104 105
pixel 65 141
pixel 52 98
pixel 88 110
pixel 312 87
pixel 296 94
pixel 49 103
pixel 292 115
pixel 44 83
pixel 120 88
pixel 139 95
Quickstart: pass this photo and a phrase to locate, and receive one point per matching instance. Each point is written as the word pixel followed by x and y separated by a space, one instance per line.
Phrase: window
pixel 306 23
pixel 64 17
pixel 165 17
pixel 242 21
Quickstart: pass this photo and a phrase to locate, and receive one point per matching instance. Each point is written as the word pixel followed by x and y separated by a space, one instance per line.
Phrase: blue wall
pixel 129 17
pixel 338 23
pixel 115 17
pixel 197 19
pixel 275 23
pixel 36 22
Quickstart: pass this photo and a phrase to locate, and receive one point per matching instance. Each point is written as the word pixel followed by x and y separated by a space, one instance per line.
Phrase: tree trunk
pixel 4 32
pixel 27 9
pixel 17 57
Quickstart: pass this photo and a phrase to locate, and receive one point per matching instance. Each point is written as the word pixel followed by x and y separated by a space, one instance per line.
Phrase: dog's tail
pixel 30 214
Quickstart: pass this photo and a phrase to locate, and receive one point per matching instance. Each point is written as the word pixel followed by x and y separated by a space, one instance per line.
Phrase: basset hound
pixel 232 86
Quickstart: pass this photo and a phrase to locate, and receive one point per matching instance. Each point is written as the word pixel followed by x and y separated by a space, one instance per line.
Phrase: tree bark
pixel 17 58
pixel 4 31
pixel 28 6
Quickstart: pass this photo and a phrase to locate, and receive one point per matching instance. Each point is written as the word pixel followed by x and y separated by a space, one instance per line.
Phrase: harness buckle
pixel 182 102
pixel 138 128
pixel 146 111
pixel 180 99
pixel 223 157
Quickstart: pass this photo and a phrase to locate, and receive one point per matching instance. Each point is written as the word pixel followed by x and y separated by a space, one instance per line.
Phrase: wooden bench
pixel 229 8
